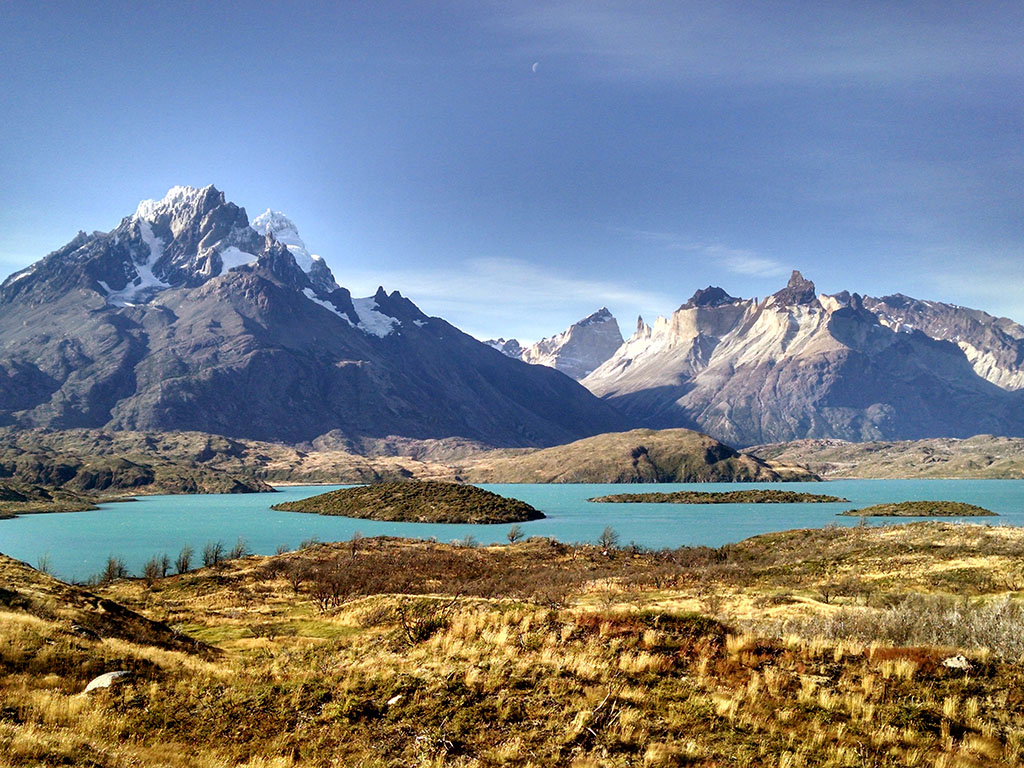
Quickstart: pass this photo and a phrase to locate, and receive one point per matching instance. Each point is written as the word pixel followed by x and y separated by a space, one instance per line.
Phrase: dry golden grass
pixel 619 672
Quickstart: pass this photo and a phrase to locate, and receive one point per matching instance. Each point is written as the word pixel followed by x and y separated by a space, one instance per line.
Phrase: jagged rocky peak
pixel 712 296
pixel 576 351
pixel 181 206
pixel 799 291
pixel 507 347
pixel 183 239
pixel 283 230
pixel 601 316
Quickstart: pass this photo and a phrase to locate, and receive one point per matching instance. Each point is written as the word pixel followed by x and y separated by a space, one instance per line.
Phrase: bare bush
pixel 419 619
pixel 113 570
pixel 916 619
pixel 297 572
pixel 213 554
pixel 151 571
pixel 240 550
pixel 184 560
pixel 609 538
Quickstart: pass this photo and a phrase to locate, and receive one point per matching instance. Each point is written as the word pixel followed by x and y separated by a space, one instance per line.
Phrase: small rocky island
pixel 922 509
pixel 750 496
pixel 428 501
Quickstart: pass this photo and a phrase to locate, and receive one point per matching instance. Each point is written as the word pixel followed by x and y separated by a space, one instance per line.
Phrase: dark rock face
pixel 798 291
pixel 184 318
pixel 712 296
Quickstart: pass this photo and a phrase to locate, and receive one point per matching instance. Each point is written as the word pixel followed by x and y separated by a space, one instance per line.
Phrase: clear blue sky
pixel 513 166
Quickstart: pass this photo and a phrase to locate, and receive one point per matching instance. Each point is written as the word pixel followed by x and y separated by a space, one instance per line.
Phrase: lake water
pixel 78 544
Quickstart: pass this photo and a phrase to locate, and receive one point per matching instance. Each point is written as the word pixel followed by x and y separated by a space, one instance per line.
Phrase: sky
pixel 513 166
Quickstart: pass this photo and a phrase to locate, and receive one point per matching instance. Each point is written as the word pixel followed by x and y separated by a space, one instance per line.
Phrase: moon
pixel 535 67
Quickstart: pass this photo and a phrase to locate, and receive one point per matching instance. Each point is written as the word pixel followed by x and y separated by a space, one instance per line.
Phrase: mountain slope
pixel 575 351
pixel 184 317
pixel 799 365
pixel 993 345
pixel 981 456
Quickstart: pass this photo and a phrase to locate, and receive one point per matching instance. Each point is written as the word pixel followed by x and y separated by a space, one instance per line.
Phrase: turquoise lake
pixel 78 544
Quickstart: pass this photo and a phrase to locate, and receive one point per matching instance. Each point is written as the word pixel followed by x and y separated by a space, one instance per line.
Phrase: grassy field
pixel 825 647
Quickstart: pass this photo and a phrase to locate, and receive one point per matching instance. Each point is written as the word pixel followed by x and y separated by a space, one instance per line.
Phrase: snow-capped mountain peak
pixel 285 232
pixel 181 203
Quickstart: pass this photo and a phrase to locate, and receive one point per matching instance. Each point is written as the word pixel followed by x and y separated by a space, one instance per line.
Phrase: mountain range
pixel 188 316
pixel 802 365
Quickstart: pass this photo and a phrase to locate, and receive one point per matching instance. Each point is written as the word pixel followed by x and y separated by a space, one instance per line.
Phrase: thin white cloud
pixel 741 261
pixel 751 264
pixel 742 42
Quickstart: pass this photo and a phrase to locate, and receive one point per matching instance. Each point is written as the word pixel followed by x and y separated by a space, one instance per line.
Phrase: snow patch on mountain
pixel 20 275
pixel 372 320
pixel 310 294
pixel 144 283
pixel 233 257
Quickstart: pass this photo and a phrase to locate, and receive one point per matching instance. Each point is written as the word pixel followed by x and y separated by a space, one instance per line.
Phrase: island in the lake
pixel 417 502
pixel 751 496
pixel 922 509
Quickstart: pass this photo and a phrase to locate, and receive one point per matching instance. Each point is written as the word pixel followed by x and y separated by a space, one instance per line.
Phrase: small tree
pixel 609 538
pixel 515 533
pixel 296 573
pixel 184 560
pixel 165 565
pixel 151 571
pixel 213 553
pixel 43 564
pixel 240 550
pixel 354 542
pixel 113 570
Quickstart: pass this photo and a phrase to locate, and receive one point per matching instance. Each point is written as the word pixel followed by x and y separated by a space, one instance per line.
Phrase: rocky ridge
pixel 981 456
pixel 799 365
pixel 994 346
